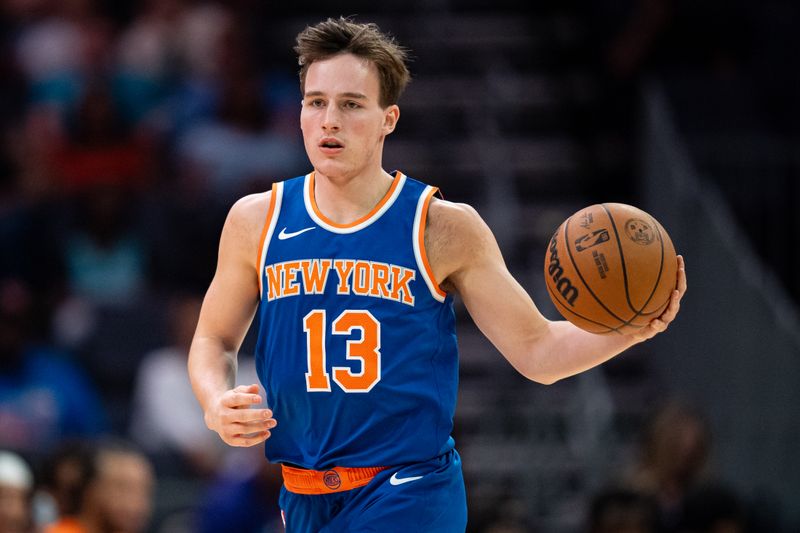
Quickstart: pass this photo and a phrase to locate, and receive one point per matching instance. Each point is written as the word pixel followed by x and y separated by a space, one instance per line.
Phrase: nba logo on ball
pixel 610 268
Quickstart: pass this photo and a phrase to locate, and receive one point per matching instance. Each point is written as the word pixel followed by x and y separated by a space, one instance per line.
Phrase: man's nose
pixel 331 120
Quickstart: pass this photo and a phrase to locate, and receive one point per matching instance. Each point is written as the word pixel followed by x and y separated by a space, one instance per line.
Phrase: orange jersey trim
pixel 337 479
pixel 263 238
pixel 421 241
pixel 361 220
pixel 65 525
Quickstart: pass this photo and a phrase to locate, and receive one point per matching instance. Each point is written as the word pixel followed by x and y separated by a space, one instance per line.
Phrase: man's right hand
pixel 231 415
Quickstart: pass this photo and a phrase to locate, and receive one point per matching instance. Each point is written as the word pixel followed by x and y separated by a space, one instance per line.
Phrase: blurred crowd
pixel 669 484
pixel 118 136
pixel 124 138
pixel 126 130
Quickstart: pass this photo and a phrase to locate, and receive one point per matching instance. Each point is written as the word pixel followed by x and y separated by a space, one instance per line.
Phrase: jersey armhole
pixel 420 218
pixel 266 233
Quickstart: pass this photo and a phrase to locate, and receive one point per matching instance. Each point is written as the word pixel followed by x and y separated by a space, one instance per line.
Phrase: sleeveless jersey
pixel 356 347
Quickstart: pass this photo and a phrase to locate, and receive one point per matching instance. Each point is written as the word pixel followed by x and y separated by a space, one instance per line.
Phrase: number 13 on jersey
pixel 367 350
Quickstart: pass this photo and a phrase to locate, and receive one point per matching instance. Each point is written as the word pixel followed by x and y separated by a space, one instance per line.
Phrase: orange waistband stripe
pixel 337 479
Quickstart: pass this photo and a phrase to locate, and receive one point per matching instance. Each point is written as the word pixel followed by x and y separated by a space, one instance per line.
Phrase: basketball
pixel 610 268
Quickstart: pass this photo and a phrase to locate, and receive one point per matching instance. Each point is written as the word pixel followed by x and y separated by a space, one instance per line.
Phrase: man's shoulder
pixel 451 220
pixel 245 222
pixel 253 208
pixel 455 234
pixel 250 211
pixel 247 205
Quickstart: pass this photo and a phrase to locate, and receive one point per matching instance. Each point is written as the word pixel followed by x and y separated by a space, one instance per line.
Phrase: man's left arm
pixel 464 253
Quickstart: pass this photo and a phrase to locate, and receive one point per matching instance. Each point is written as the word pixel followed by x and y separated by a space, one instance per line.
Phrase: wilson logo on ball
pixel 556 271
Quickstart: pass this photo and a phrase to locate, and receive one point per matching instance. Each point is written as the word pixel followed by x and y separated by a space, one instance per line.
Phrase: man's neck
pixel 346 200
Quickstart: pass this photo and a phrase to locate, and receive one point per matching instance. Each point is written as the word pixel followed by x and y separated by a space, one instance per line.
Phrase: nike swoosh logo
pixel 394 480
pixel 283 235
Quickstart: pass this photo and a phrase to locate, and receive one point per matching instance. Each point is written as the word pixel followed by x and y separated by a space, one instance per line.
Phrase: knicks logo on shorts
pixel 332 479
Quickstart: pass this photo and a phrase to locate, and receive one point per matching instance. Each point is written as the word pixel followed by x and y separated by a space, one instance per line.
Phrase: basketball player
pixel 352 271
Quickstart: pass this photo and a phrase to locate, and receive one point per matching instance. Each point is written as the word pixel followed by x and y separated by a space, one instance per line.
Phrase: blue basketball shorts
pixel 426 497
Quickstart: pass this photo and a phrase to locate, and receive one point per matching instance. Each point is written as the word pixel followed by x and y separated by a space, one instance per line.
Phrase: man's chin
pixel 332 169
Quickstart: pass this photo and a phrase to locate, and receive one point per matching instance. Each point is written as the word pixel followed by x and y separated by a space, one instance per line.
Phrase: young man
pixel 352 271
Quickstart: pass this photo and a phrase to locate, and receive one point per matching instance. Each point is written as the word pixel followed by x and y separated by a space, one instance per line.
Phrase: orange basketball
pixel 610 268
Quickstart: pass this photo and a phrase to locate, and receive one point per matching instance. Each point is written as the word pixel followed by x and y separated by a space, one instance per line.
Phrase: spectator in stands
pixel 59 44
pixel 196 36
pixel 675 452
pixel 117 498
pixel 177 432
pixel 103 169
pixel 98 146
pixel 673 460
pixel 146 60
pixel 65 476
pixel 16 485
pixel 238 150
pixel 43 397
pixel 105 255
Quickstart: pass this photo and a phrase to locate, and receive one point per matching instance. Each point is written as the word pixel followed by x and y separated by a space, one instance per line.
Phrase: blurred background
pixel 127 130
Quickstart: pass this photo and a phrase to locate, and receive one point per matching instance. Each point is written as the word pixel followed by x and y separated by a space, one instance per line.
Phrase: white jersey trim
pixel 416 238
pixel 278 192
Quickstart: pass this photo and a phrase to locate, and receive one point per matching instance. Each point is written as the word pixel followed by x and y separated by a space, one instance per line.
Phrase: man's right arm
pixel 228 309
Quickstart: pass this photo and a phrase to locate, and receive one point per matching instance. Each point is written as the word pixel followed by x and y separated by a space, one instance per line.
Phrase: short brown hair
pixel 338 36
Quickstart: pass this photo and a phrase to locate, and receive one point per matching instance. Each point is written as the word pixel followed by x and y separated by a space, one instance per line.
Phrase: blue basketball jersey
pixel 356 348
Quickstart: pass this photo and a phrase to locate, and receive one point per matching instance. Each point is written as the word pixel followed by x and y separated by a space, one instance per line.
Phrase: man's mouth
pixel 330 144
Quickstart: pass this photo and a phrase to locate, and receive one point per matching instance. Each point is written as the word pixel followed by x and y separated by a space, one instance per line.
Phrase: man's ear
pixel 390 117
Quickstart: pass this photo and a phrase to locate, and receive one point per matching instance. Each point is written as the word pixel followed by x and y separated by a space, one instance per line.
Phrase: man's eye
pixel 352 105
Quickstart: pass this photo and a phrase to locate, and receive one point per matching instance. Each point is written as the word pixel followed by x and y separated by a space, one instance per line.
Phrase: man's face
pixel 14 510
pixel 125 487
pixel 342 121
